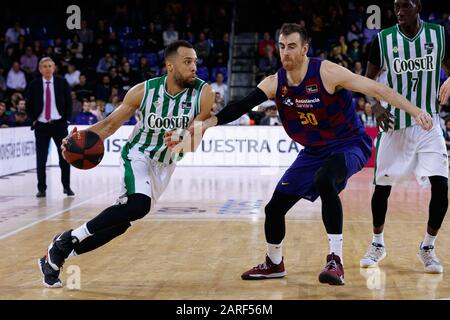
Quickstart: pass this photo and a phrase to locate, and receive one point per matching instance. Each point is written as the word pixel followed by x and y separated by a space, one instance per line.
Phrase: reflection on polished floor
pixel 204 232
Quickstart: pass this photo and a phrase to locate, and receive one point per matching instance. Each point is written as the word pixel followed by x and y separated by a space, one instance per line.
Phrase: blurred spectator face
pixel 49 51
pixel 113 36
pixel 447 122
pixel 292 50
pixel 82 79
pixel 143 61
pixel 266 36
pixel 105 80
pixel 183 66
pixel 86 106
pixel 219 78
pixel 368 108
pixel 271 112
pixel 126 67
pixel 10 51
pixel 16 67
pixel 342 39
pixel 358 65
pixel 83 24
pixel 71 68
pixel 113 72
pixel 58 41
pixel 361 103
pixel 17 26
pixel 47 68
pixel 322 56
pixel 73 95
pixel 2 108
pixel 356 44
pixel 226 37
pixel 20 116
pixel 201 36
pixel 99 41
pixel 114 91
pixel 29 51
pixel 406 11
pixel 108 57
pixel 21 106
pixel 268 50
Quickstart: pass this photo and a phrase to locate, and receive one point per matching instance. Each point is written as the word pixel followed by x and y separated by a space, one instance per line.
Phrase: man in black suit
pixel 49 106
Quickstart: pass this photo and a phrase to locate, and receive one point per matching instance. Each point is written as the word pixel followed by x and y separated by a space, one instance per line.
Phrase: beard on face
pixel 183 82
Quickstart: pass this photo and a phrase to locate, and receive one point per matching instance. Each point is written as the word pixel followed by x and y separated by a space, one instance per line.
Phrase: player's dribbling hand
pixel 424 120
pixel 64 141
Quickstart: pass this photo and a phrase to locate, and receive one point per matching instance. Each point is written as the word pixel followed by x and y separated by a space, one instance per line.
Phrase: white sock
pixel 81 232
pixel 275 252
pixel 378 238
pixel 335 241
pixel 428 240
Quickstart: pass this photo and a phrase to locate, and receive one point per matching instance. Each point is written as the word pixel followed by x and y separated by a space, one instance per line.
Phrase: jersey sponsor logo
pixel 314 88
pixel 306 103
pixel 425 63
pixel 167 123
pixel 186 105
pixel 428 46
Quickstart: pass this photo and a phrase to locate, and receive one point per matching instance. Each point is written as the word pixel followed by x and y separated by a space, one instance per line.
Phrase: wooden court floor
pixel 204 232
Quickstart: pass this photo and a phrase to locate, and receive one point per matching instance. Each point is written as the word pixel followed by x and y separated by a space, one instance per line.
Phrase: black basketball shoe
pixel 50 276
pixel 60 248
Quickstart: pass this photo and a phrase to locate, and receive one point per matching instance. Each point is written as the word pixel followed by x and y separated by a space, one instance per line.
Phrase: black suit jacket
pixel 35 98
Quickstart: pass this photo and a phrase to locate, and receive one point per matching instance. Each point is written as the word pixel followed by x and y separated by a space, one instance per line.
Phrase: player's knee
pixel 322 181
pixel 274 208
pixel 382 192
pixel 138 206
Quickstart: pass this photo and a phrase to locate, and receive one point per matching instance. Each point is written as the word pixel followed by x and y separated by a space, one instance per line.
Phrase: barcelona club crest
pixel 284 91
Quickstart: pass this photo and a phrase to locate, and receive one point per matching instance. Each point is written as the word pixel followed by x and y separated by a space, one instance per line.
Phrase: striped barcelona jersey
pixel 313 117
pixel 161 112
pixel 412 67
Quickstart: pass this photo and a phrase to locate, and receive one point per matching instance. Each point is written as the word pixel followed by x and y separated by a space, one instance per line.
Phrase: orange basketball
pixel 84 149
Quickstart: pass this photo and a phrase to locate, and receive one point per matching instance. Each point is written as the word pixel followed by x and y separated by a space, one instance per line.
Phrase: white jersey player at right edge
pixel 409 56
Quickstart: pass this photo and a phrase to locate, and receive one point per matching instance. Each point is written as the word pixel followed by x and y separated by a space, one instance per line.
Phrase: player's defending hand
pixel 424 120
pixel 385 119
pixel 179 140
pixel 64 141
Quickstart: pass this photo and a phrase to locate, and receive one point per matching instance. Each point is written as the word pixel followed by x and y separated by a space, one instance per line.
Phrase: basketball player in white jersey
pixel 170 102
pixel 408 58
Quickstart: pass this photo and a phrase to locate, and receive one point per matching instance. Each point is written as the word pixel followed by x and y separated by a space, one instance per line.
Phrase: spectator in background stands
pixel 128 76
pixel 59 48
pixel 86 117
pixel 83 90
pixel 144 71
pixel 116 80
pixel 169 35
pixel 3 87
pixel 112 105
pixel 343 45
pixel 367 117
pixel 85 34
pixel 76 106
pixel 358 69
pixel 76 47
pixel 354 53
pixel 218 104
pixel 360 103
pixel 72 76
pixel 272 118
pixel 14 101
pixel 222 47
pixel 105 63
pixel 152 38
pixel 203 49
pixel 15 80
pixel 7 59
pixel 220 87
pixel 21 46
pixel 268 63
pixel 19 119
pixel 103 90
pixel 446 131
pixel 266 41
pixel 37 48
pixel 94 109
pixel 114 46
pixel 338 57
pixel 3 116
pixel 354 34
pixel 13 33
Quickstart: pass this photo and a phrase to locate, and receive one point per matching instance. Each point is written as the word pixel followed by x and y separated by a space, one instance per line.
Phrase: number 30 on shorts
pixel 307 118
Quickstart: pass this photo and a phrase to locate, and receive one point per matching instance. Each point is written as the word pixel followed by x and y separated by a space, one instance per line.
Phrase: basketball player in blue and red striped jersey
pixel 317 111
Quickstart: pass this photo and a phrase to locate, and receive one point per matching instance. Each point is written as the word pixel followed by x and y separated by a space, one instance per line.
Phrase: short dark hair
pixel 173 47
pixel 289 28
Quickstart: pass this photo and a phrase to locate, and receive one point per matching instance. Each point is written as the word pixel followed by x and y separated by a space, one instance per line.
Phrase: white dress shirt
pixel 54 114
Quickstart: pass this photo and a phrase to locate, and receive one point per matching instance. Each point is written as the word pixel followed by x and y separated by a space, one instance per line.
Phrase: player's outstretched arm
pixel 114 121
pixel 127 108
pixel 266 90
pixel 337 76
pixel 190 142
